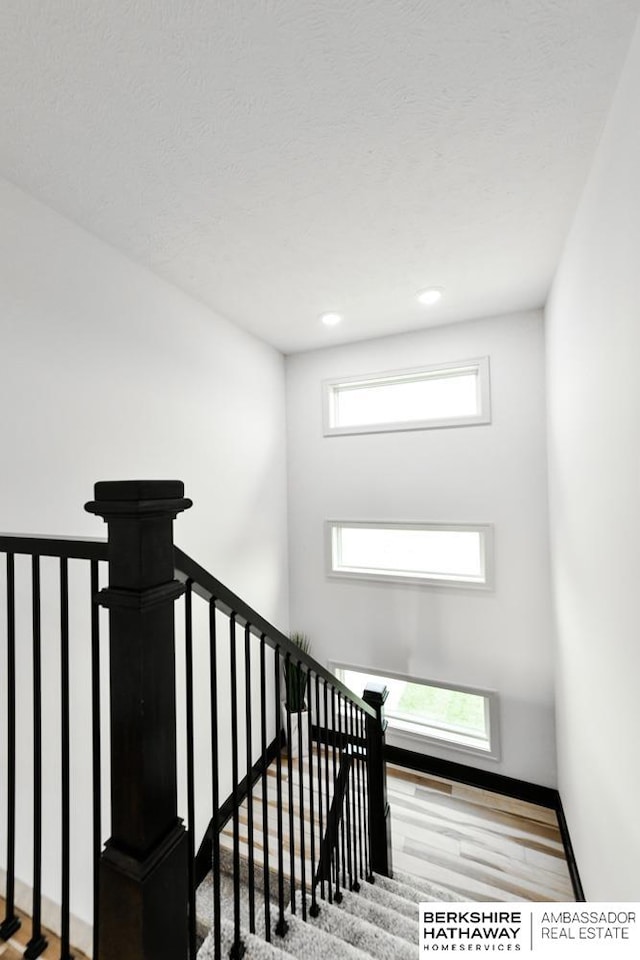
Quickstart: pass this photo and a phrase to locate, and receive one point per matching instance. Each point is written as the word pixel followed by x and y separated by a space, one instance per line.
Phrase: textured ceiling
pixel 282 158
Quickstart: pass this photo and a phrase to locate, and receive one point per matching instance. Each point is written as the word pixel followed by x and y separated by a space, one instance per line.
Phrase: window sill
pixel 446 740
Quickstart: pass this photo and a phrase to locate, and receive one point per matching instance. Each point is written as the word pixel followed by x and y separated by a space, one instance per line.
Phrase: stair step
pixel 439 891
pixel 373 941
pixel 255 947
pixel 379 921
pixel 376 894
pixel 381 914
pixel 415 889
pixel 307 941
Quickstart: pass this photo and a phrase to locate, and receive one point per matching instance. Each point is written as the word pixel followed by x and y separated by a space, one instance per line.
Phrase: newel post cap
pixel 375 694
pixel 119 498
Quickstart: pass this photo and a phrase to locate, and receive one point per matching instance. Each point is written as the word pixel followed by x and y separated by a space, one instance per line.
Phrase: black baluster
pixel 237 950
pixel 11 922
pixel 367 794
pixel 191 816
pixel 282 925
pixel 215 793
pixel 348 797
pixel 37 944
pixel 329 846
pixel 265 801
pixel 320 820
pixel 249 745
pixel 314 910
pixel 335 843
pixel 292 836
pixel 357 813
pixel 344 758
pixel 64 757
pixel 96 772
pixel 303 876
pixel 363 793
pixel 361 829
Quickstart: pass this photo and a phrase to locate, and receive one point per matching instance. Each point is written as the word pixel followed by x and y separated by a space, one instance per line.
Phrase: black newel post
pixel 143 869
pixel 375 695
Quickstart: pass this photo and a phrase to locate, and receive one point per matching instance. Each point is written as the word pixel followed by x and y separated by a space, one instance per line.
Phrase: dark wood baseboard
pixel 205 851
pixel 472 777
pixel 568 849
pixel 496 783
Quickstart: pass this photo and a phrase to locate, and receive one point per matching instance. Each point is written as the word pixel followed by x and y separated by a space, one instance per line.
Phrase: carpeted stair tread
pixel 439 891
pixel 364 936
pixel 380 921
pixel 381 914
pixel 375 893
pixel 255 947
pixel 306 941
pixel 204 905
pixel 415 889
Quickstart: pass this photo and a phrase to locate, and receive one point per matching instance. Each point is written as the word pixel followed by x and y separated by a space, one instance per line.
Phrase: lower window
pixel 462 718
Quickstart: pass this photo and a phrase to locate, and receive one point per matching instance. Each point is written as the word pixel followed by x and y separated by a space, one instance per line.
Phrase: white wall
pixel 593 323
pixel 499 640
pixel 107 372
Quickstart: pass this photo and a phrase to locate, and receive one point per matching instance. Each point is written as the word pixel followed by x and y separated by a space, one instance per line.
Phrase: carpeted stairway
pixel 381 921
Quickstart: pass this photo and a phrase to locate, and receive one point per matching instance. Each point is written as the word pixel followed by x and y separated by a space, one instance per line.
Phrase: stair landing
pixel 480 845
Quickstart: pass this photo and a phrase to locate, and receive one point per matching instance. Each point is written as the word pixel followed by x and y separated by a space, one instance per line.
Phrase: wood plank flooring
pixel 479 844
pixel 13 949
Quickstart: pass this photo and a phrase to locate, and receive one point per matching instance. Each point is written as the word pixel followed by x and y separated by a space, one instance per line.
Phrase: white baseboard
pixel 81 932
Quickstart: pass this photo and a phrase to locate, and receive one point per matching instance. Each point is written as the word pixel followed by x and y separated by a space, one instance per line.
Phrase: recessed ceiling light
pixel 331 319
pixel 430 296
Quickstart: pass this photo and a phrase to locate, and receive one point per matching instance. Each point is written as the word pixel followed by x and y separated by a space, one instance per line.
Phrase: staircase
pixel 303 867
pixel 349 917
pixel 379 920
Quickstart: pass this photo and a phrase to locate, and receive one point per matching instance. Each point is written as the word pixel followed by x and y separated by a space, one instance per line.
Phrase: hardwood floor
pixel 14 948
pixel 481 845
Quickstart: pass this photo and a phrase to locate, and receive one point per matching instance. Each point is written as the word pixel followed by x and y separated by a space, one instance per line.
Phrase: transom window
pixel 459 717
pixel 444 396
pixel 446 554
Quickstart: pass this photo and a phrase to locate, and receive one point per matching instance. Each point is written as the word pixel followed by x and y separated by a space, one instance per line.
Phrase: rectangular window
pixel 445 396
pixel 446 554
pixel 462 718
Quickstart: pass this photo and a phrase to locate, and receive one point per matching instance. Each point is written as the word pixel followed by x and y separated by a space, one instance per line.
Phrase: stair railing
pixel 313 798
pixel 47 595
pixel 295 808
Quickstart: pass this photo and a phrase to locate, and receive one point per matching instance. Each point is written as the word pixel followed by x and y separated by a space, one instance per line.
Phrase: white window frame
pixel 426 580
pixel 479 366
pixel 433 733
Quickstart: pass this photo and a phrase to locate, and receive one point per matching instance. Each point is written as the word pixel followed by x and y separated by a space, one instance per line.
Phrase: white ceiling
pixel 281 158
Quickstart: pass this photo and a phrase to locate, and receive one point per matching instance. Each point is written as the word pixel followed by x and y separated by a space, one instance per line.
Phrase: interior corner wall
pixel 498 640
pixel 107 372
pixel 593 344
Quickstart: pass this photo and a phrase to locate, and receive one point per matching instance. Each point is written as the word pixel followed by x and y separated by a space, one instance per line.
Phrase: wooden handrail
pixel 204 584
pixel 72 548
